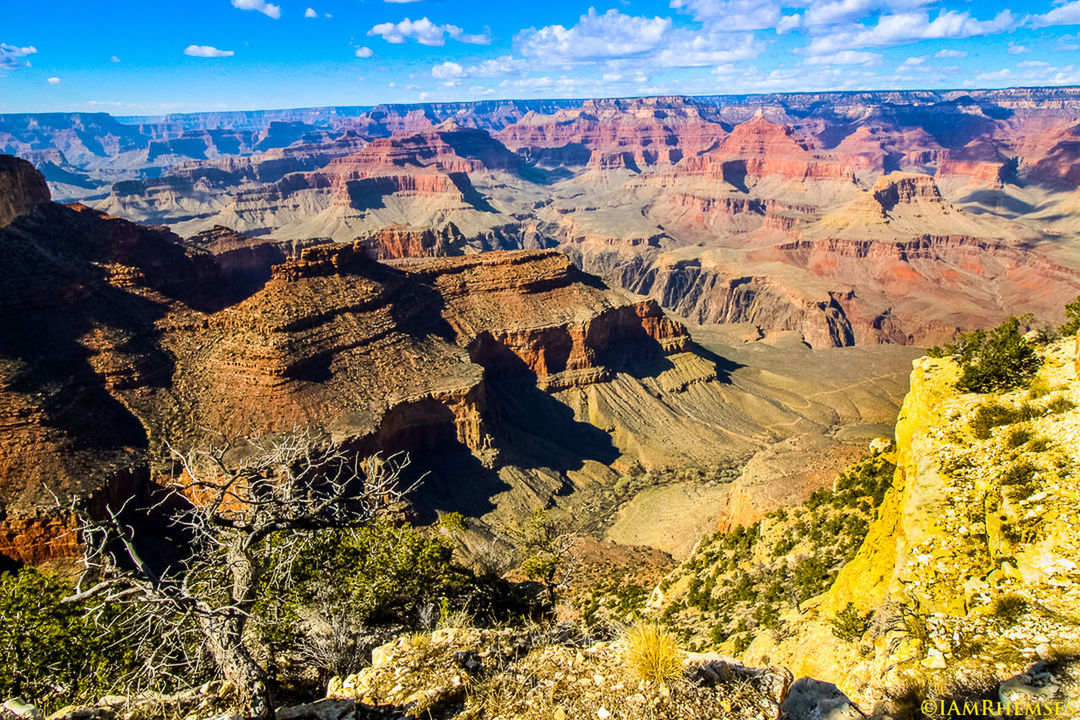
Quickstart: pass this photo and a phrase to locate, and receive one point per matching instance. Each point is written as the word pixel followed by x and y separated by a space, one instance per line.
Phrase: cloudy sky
pixel 150 57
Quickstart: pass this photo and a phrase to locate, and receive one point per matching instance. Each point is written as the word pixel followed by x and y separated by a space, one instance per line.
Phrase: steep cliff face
pixel 625 134
pixel 766 148
pixel 946 560
pixel 708 293
pixel 402 241
pixel 118 337
pixel 974 545
pixel 81 296
pixel 21 189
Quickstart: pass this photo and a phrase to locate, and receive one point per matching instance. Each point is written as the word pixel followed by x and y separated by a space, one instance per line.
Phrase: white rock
pixel 935 659
pixel 21 708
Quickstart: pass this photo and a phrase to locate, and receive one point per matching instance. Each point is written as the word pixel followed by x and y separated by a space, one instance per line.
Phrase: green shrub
pixel 1021 475
pixel 1072 318
pixel 54 653
pixel 1018 437
pixel 1009 607
pixel 993 414
pixel 381 573
pixel 1039 444
pixel 1040 387
pixel 1060 404
pixel 849 624
pixel 993 360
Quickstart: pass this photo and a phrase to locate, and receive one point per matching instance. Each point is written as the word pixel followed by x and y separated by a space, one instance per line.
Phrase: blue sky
pixel 152 57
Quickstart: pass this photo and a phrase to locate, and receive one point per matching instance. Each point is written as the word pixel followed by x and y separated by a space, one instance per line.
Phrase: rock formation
pixel 21 189
pixel 511 376
pixel 740 187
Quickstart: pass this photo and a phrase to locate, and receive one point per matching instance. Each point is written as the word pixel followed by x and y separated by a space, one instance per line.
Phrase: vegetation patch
pixel 740 583
pixel 652 653
pixel 993 360
pixel 849 624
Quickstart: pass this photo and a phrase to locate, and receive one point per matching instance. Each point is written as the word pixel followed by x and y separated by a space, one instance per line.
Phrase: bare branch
pixel 247 513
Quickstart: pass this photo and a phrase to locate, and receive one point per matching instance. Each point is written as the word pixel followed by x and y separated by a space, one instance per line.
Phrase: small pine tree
pixel 1072 318
pixel 849 624
pixel 993 360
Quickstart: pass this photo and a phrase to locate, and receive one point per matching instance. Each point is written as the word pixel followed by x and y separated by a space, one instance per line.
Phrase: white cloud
pixel 743 15
pixel 1068 42
pixel 610 35
pixel 310 12
pixel 262 6
pixel 448 69
pixel 788 23
pixel 114 59
pixel 690 49
pixel 549 84
pixel 1017 49
pixel 951 54
pixel 1004 74
pixel 844 57
pixel 913 64
pixel 55 81
pixel 1033 64
pixel 838 11
pixel 734 15
pixel 207 51
pixel 1064 14
pixel 499 67
pixel 426 32
pixel 364 52
pixel 11 56
pixel 910 27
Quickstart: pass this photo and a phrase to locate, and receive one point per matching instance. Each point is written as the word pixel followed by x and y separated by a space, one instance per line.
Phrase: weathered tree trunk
pixel 224 640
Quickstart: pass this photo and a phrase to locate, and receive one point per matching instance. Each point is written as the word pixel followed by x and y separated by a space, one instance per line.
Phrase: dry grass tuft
pixel 652 653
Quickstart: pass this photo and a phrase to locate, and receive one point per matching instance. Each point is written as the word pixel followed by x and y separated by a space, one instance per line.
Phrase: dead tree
pixel 247 512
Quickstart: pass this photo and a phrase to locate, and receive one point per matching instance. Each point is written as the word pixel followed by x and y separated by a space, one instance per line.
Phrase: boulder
pixel 810 699
pixel 19 708
pixel 1035 686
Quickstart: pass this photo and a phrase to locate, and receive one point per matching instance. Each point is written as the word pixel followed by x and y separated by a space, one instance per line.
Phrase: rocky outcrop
pixel 81 297
pixel 895 188
pixel 533 678
pixel 447 147
pixel 21 189
pixel 707 293
pixel 765 148
pixel 973 546
pixel 402 241
pixel 118 336
pixel 620 134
